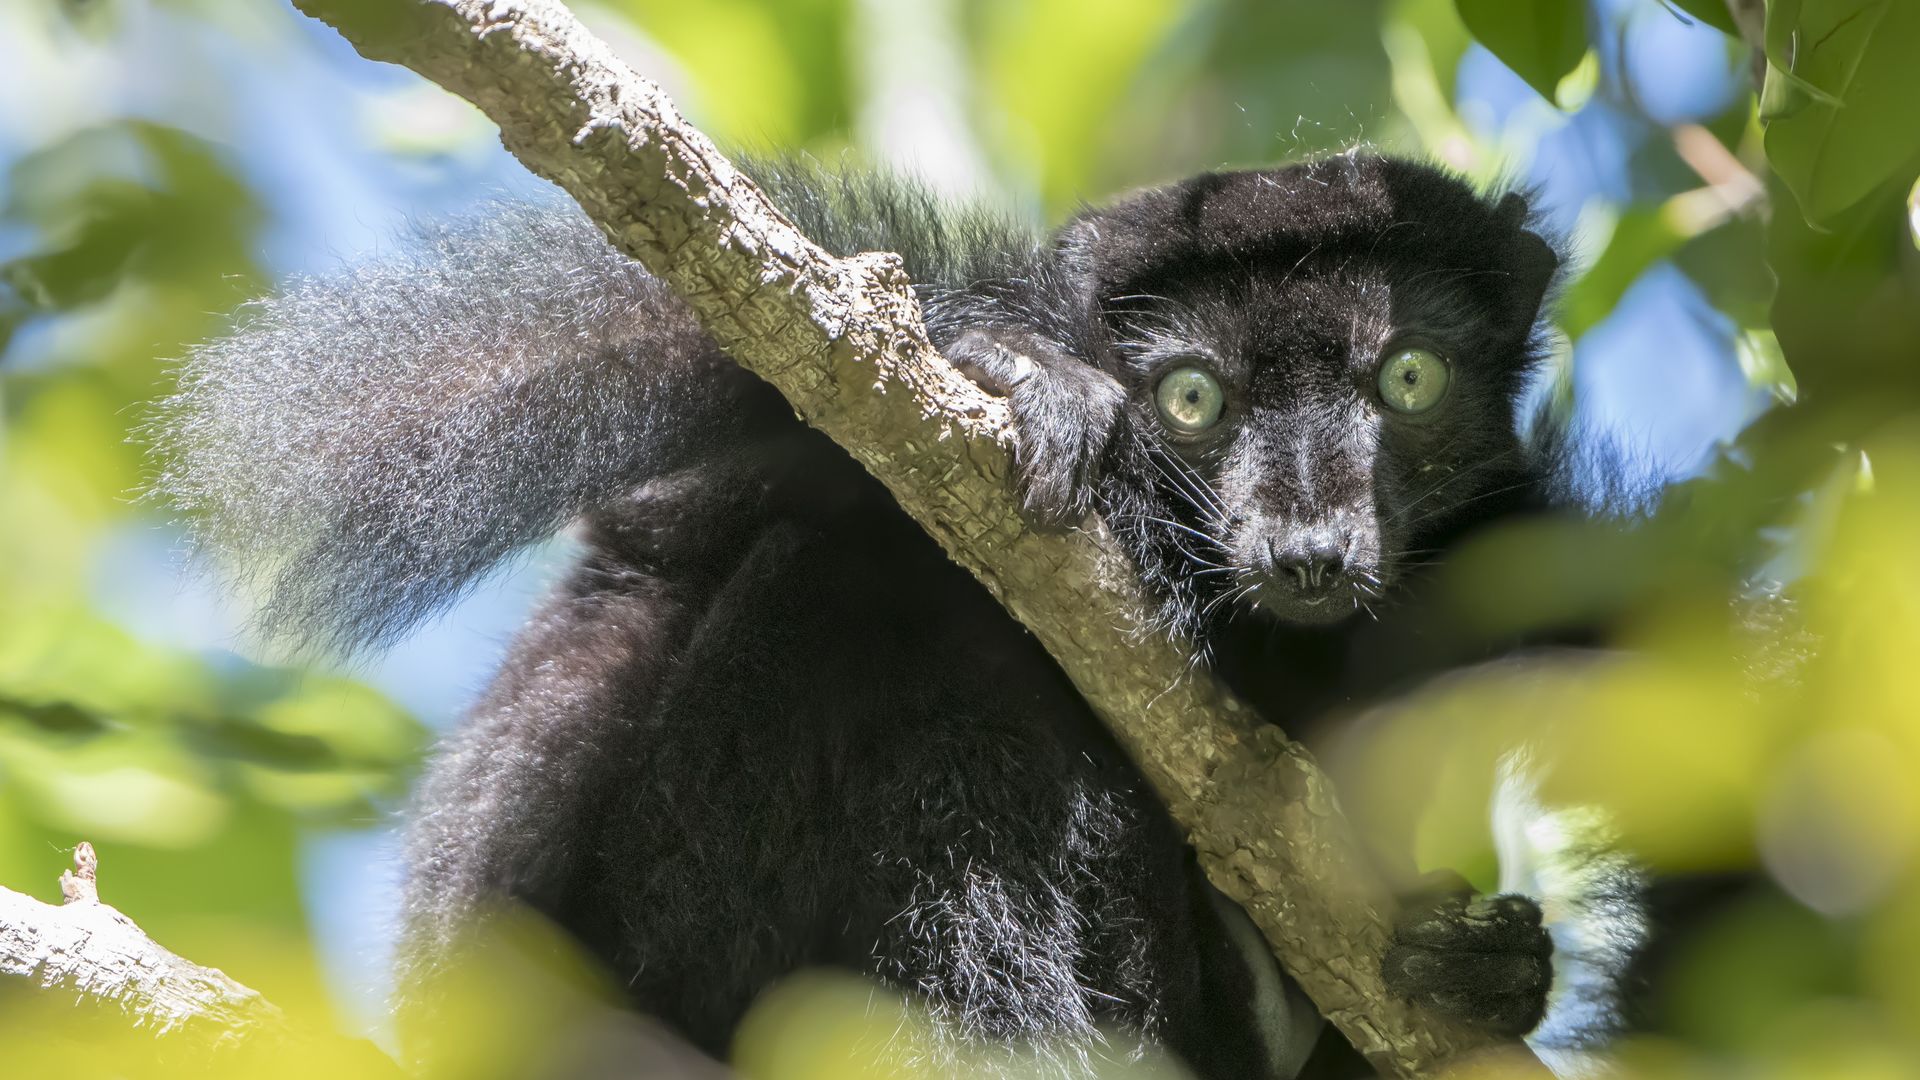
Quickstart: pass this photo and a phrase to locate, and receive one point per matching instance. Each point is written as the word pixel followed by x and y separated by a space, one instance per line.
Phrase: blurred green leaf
pixel 137 236
pixel 128 199
pixel 1641 237
pixel 1243 82
pixel 1445 39
pixel 1425 40
pixel 124 740
pixel 1729 264
pixel 1744 974
pixel 1847 310
pixel 765 72
pixel 1541 40
pixel 1913 213
pixel 1841 98
pixel 1579 85
pixel 1057 69
pixel 1764 363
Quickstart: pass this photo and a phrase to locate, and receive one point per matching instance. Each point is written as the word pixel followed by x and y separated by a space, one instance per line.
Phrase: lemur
pixel 764 724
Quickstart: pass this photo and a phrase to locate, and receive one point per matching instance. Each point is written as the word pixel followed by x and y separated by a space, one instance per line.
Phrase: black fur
pixel 765 724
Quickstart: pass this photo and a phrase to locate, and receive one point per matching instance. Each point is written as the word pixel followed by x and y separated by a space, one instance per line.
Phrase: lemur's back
pixel 765 723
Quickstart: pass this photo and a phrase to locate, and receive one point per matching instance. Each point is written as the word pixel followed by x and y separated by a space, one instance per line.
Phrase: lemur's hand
pixel 1064 412
pixel 1485 960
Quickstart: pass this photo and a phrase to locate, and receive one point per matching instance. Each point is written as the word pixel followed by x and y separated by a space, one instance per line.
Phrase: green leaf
pixel 1061 70
pixel 1292 68
pixel 1712 12
pixel 1913 213
pixel 1425 40
pixel 1844 310
pixel 1445 39
pixel 1573 92
pixel 85 707
pixel 1729 264
pixel 758 70
pixel 1840 98
pixel 1765 365
pixel 1541 40
pixel 1641 237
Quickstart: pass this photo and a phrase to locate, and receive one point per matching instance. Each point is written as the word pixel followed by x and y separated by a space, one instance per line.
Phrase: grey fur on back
pixel 364 446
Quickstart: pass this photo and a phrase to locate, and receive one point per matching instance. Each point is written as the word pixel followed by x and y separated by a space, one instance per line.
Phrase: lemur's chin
pixel 1303 607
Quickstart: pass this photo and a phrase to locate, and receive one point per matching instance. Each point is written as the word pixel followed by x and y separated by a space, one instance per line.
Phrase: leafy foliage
pixel 1841 84
pixel 1733 732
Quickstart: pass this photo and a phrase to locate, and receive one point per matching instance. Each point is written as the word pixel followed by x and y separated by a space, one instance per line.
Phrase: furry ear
pixel 1533 260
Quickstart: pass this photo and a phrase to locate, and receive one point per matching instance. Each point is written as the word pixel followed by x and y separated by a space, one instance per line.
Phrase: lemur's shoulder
pixel 944 242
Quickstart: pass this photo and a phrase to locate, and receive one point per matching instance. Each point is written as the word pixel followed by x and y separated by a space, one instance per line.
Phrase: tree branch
pixel 843 340
pixel 100 957
pixel 93 951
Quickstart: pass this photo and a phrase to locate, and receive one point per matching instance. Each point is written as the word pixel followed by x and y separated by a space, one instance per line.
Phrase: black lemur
pixel 764 724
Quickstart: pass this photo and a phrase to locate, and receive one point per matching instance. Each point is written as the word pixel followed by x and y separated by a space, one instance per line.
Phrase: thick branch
pixel 98 956
pixel 842 339
pixel 91 950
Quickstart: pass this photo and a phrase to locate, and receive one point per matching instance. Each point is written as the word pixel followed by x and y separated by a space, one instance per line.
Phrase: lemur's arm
pixel 1006 309
pixel 1065 413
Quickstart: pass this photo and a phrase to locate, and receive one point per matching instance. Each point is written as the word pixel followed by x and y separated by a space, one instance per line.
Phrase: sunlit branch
pixel 92 953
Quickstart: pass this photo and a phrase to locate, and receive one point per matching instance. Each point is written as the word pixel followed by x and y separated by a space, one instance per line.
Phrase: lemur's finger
pixel 996 368
pixel 1506 923
pixel 1417 973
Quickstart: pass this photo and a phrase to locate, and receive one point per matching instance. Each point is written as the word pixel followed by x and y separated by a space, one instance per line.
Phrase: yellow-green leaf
pixel 1640 238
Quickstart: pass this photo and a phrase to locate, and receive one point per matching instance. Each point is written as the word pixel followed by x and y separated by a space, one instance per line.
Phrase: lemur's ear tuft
pixel 1534 261
pixel 1513 209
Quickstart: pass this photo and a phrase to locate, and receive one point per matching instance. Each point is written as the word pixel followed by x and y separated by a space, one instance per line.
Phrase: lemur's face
pixel 1318 412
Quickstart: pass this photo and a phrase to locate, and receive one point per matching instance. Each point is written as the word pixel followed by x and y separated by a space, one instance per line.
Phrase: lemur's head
pixel 1322 362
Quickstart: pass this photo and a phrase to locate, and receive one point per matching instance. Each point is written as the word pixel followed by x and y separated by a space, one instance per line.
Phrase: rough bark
pixel 88 948
pixel 843 340
pixel 98 956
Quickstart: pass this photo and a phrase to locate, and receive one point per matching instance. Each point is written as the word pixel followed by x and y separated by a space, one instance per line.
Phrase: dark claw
pixel 1518 909
pixel 997 369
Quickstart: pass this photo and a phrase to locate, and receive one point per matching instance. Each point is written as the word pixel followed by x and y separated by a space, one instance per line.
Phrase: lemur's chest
pixel 1308 680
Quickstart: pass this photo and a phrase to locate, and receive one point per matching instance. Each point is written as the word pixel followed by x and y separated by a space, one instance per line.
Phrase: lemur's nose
pixel 1314 556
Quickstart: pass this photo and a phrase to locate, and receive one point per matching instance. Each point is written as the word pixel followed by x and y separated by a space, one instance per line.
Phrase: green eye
pixel 1413 380
pixel 1189 400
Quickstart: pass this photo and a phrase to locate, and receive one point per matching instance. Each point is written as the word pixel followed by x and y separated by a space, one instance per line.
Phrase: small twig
pixel 1750 17
pixel 1731 191
pixel 79 885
